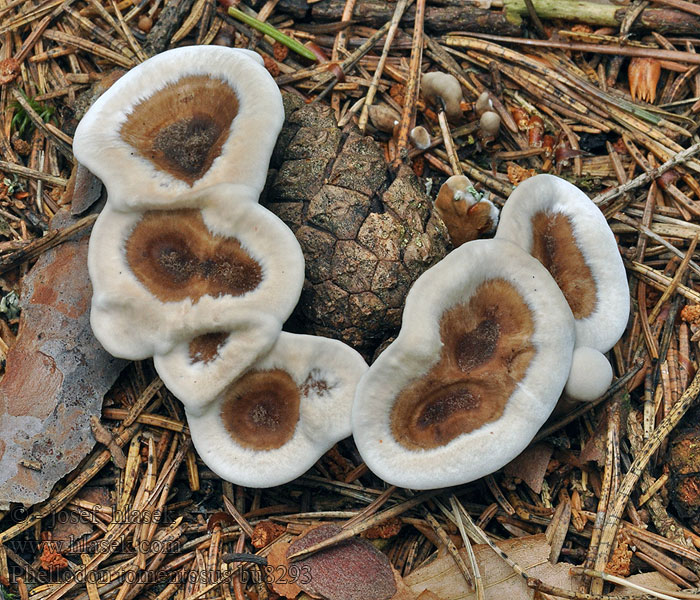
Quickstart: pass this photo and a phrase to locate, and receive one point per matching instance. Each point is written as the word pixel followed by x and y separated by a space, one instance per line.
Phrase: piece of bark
pixel 443 577
pixel 56 375
pixel 662 20
pixel 83 101
pixel 454 16
pixel 296 8
pixel 167 24
pixel 70 526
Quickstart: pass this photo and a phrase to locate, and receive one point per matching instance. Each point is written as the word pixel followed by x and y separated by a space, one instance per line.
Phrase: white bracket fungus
pixel 274 422
pixel 163 277
pixel 481 359
pixel 183 120
pixel 198 370
pixel 558 224
pixel 186 266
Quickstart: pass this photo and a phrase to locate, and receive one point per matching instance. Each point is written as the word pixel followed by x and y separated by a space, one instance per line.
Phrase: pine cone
pixel 365 237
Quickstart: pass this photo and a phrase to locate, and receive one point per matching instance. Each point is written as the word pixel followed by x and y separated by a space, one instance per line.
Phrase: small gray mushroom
pixel 438 85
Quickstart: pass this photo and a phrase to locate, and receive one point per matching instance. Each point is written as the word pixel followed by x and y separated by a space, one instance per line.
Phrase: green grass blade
pixel 275 34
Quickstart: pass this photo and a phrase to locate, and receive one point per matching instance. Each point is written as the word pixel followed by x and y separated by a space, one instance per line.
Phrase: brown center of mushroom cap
pixel 486 351
pixel 261 409
pixel 204 348
pixel 182 127
pixel 554 245
pixel 175 256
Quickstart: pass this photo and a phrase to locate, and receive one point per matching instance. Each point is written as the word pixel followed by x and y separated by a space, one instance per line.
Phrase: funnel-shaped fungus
pixel 437 84
pixel 559 225
pixel 482 357
pixel 161 277
pixel 183 120
pixel 275 421
pixel 465 218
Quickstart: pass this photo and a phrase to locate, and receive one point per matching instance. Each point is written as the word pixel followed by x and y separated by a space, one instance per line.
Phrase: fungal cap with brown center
pixel 482 357
pixel 558 224
pixel 274 422
pixel 465 218
pixel 437 84
pixel 185 119
pixel 198 370
pixel 161 278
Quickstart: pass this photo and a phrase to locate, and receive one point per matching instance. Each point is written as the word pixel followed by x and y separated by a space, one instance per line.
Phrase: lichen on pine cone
pixel 365 236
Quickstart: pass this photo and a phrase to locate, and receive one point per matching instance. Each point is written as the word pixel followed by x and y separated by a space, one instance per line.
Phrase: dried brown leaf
pixel 277 559
pixel 531 466
pixel 351 570
pixel 652 579
pixel 443 578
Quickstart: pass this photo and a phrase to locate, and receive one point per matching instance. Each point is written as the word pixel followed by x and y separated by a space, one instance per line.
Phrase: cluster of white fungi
pixel 189 269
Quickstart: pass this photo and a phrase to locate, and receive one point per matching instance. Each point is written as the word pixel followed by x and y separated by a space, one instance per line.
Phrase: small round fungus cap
pixel 490 123
pixel 437 84
pixel 420 137
pixel 383 117
pixel 162 277
pixel 590 375
pixel 483 104
pixel 481 359
pixel 560 226
pixel 183 120
pixel 274 422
